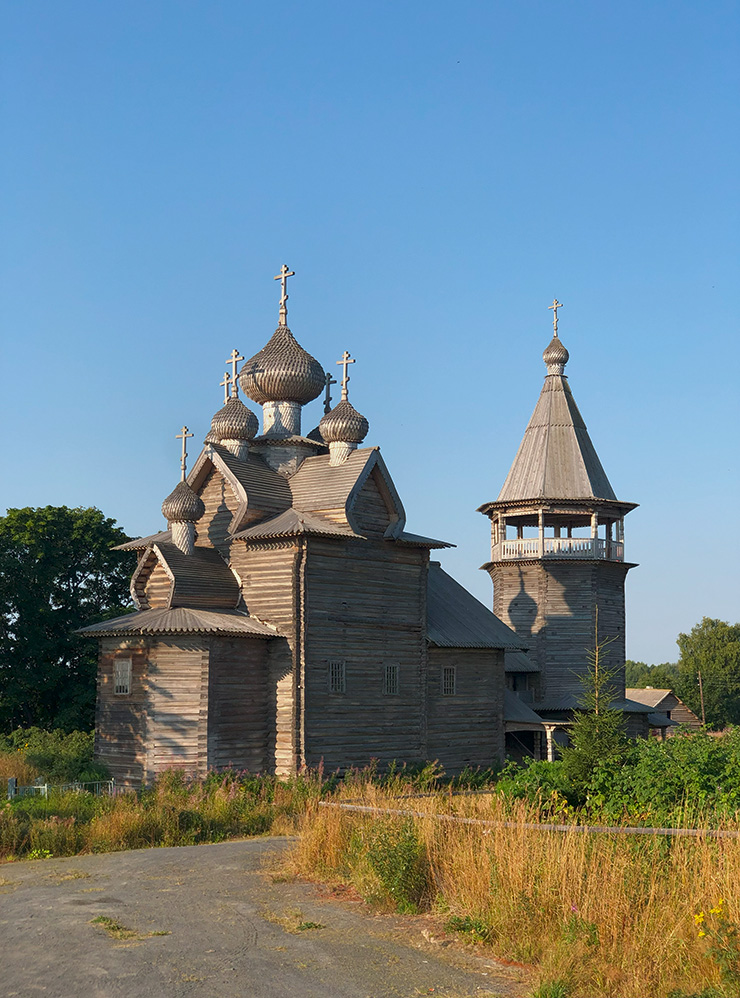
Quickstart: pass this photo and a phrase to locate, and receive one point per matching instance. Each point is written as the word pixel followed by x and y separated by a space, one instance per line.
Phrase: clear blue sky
pixel 435 173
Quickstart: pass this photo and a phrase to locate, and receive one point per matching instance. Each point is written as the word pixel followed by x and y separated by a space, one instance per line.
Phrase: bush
pixel 398 862
pixel 56 756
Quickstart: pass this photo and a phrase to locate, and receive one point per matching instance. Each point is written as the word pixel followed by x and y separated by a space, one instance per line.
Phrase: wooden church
pixel 287 617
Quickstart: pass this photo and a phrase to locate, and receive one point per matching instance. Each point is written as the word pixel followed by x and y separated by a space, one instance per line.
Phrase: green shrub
pixel 398 860
pixel 59 757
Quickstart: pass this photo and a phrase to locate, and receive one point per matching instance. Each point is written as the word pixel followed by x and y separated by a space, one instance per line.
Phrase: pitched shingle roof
pixel 556 459
pixel 293 523
pixel 202 579
pixel 455 619
pixel 182 620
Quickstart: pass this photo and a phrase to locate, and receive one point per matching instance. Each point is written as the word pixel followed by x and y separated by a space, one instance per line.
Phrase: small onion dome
pixel 234 422
pixel 282 372
pixel 555 354
pixel 211 438
pixel 183 505
pixel 344 423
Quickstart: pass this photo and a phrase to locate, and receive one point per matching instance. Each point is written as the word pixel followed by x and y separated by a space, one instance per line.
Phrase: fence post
pixel 12 787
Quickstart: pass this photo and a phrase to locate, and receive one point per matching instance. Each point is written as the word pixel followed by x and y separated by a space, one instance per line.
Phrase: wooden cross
pixel 555 306
pixel 234 360
pixel 225 385
pixel 283 278
pixel 183 435
pixel 345 377
pixel 327 398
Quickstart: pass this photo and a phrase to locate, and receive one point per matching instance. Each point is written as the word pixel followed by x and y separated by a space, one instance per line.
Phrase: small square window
pixel 336 677
pixel 122 677
pixel 448 680
pixel 390 682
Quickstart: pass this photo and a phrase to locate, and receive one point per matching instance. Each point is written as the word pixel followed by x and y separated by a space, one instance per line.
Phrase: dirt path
pixel 205 921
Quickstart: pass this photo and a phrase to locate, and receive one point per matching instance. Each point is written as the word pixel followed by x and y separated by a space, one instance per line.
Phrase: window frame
pixel 448 689
pixel 391 679
pixel 123 675
pixel 336 676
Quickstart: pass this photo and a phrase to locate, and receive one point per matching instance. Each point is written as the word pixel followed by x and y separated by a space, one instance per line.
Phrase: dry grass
pixel 611 915
pixel 13 764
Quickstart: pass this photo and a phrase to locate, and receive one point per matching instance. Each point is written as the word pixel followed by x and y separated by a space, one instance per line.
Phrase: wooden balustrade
pixel 559 547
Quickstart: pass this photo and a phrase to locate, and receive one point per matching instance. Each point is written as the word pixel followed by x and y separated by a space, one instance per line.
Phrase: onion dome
pixel 344 423
pixel 183 505
pixel 555 356
pixel 282 372
pixel 234 422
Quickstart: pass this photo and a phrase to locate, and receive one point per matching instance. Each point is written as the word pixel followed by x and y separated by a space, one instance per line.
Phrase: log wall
pixel 221 504
pixel 238 704
pixel 120 719
pixel 177 707
pixel 158 588
pixel 370 510
pixel 365 605
pixel 552 606
pixel 467 728
pixel 268 575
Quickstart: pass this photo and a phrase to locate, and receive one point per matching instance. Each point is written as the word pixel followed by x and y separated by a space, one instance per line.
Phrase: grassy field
pixel 595 914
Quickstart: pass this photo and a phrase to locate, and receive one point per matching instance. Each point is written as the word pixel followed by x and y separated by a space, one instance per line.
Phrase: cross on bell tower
pixel 555 306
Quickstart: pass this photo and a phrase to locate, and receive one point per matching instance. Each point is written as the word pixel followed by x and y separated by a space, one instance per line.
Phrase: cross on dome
pixel 234 360
pixel 327 397
pixel 225 385
pixel 183 435
pixel 555 306
pixel 345 377
pixel 283 278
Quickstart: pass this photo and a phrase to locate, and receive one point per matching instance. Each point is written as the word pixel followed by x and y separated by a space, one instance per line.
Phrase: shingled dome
pixel 234 422
pixel 282 372
pixel 344 423
pixel 555 356
pixel 183 505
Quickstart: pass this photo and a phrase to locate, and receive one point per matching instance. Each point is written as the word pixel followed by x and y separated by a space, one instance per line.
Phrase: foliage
pixel 55 756
pixel 57 573
pixel 597 737
pixel 397 860
pixel 712 647
pixel 638 675
pixel 722 939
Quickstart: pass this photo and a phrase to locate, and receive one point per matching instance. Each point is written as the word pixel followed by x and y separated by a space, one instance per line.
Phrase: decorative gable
pixel 372 510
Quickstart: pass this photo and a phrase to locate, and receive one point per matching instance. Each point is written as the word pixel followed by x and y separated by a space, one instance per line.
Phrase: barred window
pixel 448 680
pixel 336 677
pixel 122 676
pixel 390 683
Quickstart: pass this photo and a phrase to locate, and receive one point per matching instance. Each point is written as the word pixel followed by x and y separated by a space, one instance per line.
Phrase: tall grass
pixel 175 811
pixel 609 915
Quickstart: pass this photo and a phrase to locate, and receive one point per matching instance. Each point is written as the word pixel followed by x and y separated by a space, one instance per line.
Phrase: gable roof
pixel 649 696
pixel 258 488
pixel 456 619
pixel 556 459
pixel 184 620
pixel 142 543
pixel 201 579
pixel 317 485
pixel 294 523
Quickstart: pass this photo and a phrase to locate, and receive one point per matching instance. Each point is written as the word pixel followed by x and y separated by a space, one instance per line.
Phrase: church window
pixel 390 684
pixel 449 680
pixel 336 677
pixel 122 676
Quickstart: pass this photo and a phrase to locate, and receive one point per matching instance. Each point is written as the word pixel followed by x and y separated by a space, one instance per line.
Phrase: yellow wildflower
pixel 701 934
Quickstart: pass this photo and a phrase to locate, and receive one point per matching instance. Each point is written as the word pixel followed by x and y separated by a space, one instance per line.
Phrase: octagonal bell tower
pixel 557 544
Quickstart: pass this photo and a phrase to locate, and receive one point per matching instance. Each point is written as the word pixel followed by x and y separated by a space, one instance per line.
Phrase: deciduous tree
pixel 57 573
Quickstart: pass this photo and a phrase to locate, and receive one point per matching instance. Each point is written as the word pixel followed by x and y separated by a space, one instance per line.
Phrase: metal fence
pixel 98 788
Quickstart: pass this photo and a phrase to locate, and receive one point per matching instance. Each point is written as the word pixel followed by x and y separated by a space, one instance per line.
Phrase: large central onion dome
pixel 234 422
pixel 344 423
pixel 183 505
pixel 555 356
pixel 282 372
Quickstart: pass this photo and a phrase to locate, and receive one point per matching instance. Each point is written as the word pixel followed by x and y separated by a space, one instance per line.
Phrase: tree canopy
pixel 57 573
pixel 712 647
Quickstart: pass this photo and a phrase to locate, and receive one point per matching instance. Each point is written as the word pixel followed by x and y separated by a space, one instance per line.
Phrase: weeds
pixel 115 930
